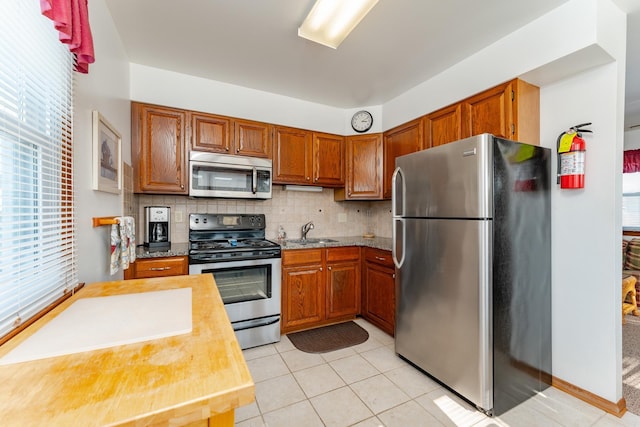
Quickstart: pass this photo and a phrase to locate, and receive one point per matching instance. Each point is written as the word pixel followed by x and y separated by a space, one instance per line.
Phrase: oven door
pixel 250 289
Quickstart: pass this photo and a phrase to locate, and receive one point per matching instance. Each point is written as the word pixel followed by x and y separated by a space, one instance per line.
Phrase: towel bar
pixel 104 220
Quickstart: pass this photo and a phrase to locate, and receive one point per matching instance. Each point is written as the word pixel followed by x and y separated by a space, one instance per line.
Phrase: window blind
pixel 631 201
pixel 37 243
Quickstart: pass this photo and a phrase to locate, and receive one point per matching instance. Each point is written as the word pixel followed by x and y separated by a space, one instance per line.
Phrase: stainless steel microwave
pixel 222 175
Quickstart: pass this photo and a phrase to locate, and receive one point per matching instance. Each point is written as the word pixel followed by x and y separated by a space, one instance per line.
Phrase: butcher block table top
pixel 194 379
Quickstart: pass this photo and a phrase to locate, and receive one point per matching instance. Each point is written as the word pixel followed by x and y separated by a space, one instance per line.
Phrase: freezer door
pixel 449 181
pixel 443 321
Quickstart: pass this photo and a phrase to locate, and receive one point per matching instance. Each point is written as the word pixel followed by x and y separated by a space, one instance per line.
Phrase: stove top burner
pixel 231 244
pixel 222 237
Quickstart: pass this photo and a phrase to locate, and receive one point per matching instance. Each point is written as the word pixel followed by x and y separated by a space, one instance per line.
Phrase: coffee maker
pixel 157 226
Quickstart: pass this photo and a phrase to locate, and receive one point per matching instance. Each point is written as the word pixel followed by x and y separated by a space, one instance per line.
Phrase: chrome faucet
pixel 305 229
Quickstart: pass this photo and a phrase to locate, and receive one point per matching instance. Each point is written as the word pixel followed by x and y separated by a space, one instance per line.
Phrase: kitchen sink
pixel 309 241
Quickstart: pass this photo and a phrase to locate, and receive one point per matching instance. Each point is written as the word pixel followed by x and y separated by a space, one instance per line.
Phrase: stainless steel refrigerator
pixel 471 243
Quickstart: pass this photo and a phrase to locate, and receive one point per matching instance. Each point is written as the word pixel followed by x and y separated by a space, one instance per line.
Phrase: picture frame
pixel 107 155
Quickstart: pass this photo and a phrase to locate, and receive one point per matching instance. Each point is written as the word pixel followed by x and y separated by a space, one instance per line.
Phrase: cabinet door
pixel 343 290
pixel 445 125
pixel 379 297
pixel 210 133
pixel 404 139
pixel 252 138
pixel 363 177
pixel 328 159
pixel 292 149
pixel 302 296
pixel 159 151
pixel 343 281
pixel 491 112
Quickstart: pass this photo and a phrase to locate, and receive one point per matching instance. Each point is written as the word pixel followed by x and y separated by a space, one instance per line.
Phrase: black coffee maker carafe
pixel 157 226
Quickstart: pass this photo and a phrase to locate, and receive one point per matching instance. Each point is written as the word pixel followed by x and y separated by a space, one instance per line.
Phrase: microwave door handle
pixel 255 181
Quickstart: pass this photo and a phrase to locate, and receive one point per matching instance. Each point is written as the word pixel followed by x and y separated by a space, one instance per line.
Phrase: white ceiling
pixel 401 43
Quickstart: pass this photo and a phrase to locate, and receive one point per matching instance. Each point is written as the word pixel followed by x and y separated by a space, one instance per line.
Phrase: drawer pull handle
pixel 379 258
pixel 394 275
pixel 159 268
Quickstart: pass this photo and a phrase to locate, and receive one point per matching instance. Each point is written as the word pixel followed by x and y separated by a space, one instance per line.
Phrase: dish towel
pixel 123 244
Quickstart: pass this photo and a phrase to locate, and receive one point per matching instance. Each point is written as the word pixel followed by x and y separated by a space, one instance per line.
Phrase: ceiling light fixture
pixel 331 21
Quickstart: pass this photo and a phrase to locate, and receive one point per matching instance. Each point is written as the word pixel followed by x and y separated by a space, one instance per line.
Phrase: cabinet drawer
pixel 379 256
pixel 302 257
pixel 343 253
pixel 157 267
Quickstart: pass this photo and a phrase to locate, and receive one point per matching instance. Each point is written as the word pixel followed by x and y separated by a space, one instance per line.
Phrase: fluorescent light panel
pixel 331 21
pixel 302 188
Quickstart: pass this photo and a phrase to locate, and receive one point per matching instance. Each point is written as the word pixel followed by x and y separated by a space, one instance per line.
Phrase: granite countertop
pixel 182 249
pixel 384 243
pixel 176 249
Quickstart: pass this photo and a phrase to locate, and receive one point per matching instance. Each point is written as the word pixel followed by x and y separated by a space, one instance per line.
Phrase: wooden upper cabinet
pixel 308 158
pixel 328 159
pixel 220 134
pixel 252 138
pixel 490 112
pixel 159 149
pixel 363 175
pixel 510 110
pixel 444 126
pixel 211 133
pixel 292 159
pixel 401 140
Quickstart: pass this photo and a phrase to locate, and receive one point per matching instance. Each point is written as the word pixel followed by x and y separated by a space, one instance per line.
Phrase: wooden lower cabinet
pixel 302 289
pixel 144 268
pixel 343 282
pixel 378 289
pixel 319 286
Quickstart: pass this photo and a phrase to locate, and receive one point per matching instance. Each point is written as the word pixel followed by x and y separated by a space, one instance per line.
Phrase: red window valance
pixel 71 19
pixel 631 161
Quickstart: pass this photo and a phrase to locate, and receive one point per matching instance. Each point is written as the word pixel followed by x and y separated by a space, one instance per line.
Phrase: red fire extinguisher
pixel 571 157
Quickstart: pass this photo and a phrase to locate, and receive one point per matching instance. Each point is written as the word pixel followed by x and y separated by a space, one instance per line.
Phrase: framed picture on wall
pixel 107 156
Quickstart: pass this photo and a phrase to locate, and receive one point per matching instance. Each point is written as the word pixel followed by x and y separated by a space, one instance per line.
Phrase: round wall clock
pixel 362 121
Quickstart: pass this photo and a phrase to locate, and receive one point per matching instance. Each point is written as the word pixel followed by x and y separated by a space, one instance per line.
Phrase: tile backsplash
pixel 289 209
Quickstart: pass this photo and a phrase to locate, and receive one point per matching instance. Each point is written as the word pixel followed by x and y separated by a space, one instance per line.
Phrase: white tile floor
pixel 368 385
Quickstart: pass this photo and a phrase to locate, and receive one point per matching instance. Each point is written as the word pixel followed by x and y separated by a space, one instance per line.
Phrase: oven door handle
pixel 255 180
pixel 254 324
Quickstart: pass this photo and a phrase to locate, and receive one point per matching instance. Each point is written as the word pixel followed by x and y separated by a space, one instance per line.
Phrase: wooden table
pixel 194 379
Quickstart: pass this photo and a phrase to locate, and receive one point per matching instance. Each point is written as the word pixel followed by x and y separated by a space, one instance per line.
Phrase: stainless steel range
pixel 246 268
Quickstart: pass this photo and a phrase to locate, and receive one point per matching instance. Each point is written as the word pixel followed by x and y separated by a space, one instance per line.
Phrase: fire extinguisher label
pixel 565 142
pixel 572 163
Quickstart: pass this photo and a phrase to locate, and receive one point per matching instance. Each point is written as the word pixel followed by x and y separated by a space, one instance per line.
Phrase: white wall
pixel 106 89
pixel 587 230
pixel 632 139
pixel 173 89
pixel 580 69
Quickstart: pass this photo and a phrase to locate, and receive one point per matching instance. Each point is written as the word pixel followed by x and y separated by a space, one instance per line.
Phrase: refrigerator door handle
pixel 399 239
pixel 397 195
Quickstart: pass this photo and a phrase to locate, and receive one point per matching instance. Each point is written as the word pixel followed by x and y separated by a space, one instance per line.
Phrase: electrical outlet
pixel 179 216
pixel 342 217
